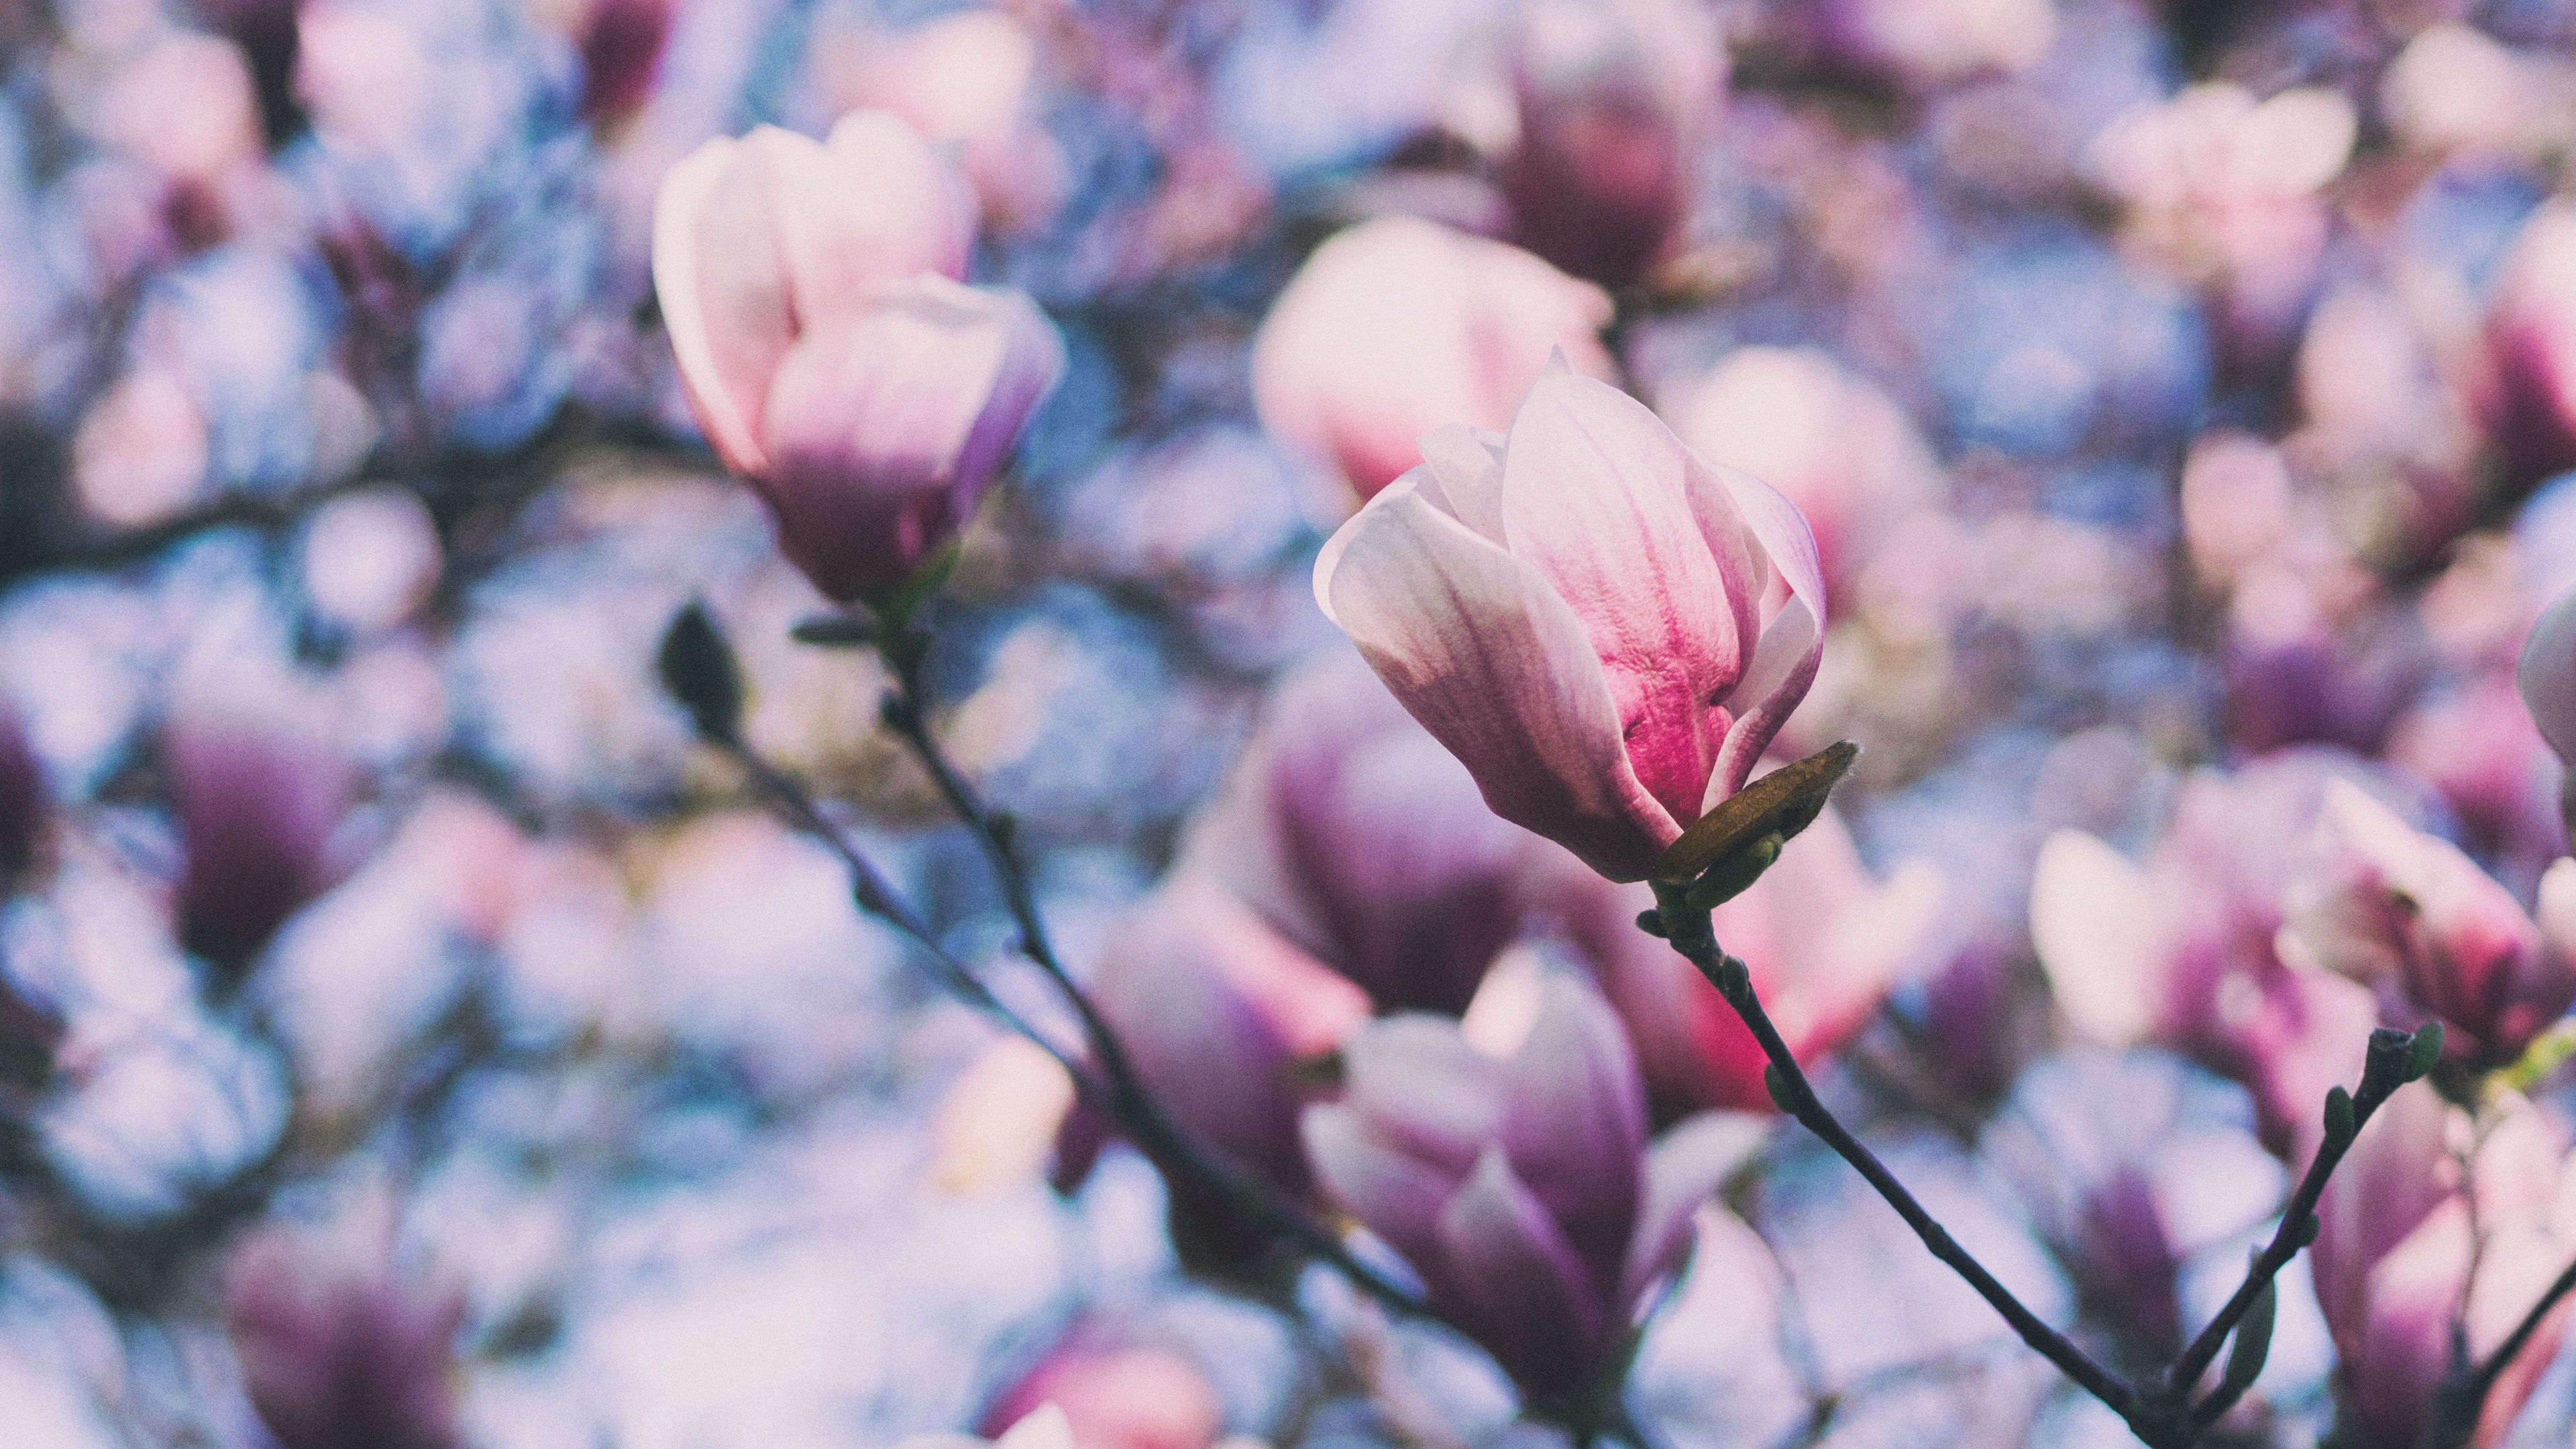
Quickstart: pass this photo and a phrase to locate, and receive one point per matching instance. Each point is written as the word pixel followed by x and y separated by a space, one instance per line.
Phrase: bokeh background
pixel 2180 392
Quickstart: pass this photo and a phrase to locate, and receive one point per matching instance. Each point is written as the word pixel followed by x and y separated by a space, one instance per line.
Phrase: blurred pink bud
pixel 1218 1013
pixel 621 50
pixel 1520 1189
pixel 185 107
pixel 258 793
pixel 2528 397
pixel 1397 326
pixel 2406 912
pixel 1045 1427
pixel 882 430
pixel 2400 1253
pixel 1615 98
pixel 1117 1398
pixel 827 351
pixel 22 801
pixel 1824 942
pixel 965 78
pixel 1833 444
pixel 337 1351
pixel 1603 628
pixel 1359 838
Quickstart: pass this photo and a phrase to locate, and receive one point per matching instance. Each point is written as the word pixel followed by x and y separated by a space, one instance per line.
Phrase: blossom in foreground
pixel 827 349
pixel 2407 913
pixel 1519 1188
pixel 1398 326
pixel 1605 629
pixel 2402 1257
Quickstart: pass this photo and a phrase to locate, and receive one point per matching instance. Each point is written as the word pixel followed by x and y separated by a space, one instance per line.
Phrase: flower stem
pixel 1694 935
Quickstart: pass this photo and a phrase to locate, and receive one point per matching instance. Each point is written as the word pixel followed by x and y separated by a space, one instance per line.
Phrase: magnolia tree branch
pixel 698 669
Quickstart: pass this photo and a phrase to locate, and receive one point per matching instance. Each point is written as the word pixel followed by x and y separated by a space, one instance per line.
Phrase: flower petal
pixel 1396 1193
pixel 1496 666
pixel 1521 1289
pixel 1684 1169
pixel 1574 1123
pixel 1792 645
pixel 1596 499
pixel 722 285
pixel 873 204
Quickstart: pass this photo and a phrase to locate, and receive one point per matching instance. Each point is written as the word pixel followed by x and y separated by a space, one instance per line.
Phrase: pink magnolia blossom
pixel 2402 1258
pixel 1824 942
pixel 258 792
pixel 1397 326
pixel 1045 1427
pixel 2184 949
pixel 1117 1397
pixel 1219 1013
pixel 1603 628
pixel 2527 392
pixel 1521 1189
pixel 1616 98
pixel 827 350
pixel 2408 914
pixel 338 1350
pixel 1358 838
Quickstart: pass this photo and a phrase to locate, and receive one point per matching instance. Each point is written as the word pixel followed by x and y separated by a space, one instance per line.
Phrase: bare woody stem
pixel 1693 935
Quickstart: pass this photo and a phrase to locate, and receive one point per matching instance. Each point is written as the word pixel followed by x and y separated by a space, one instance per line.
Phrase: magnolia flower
pixel 1603 628
pixel 1398 325
pixel 1116 1397
pixel 2546 675
pixel 2403 1261
pixel 337 1350
pixel 827 350
pixel 1520 1189
pixel 2527 394
pixel 2406 912
pixel 258 792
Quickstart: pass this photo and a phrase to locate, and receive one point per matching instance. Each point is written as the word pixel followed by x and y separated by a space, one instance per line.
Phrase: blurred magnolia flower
pixel 2455 88
pixel 1924 43
pixel 2409 1252
pixel 2408 914
pixel 1824 942
pixel 1616 98
pixel 963 79
pixel 2226 189
pixel 1223 1019
pixel 1045 1427
pixel 1397 326
pixel 1606 630
pixel 2184 950
pixel 1834 444
pixel 141 453
pixel 2526 393
pixel 338 1349
pixel 370 558
pixel 2546 676
pixel 826 350
pixel 621 53
pixel 1357 837
pixel 258 791
pixel 1521 1188
pixel 1113 1397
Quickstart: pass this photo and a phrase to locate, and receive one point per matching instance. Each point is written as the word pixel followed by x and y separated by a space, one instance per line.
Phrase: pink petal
pixel 2546 674
pixel 1574 1123
pixel 1396 1193
pixel 1495 665
pixel 874 204
pixel 1521 1289
pixel 1684 1169
pixel 1424 1088
pixel 1791 646
pixel 723 291
pixel 1596 499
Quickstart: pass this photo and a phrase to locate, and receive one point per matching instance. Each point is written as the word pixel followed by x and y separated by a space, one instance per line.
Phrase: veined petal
pixel 1792 645
pixel 1596 499
pixel 723 291
pixel 1499 669
pixel 1522 1289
